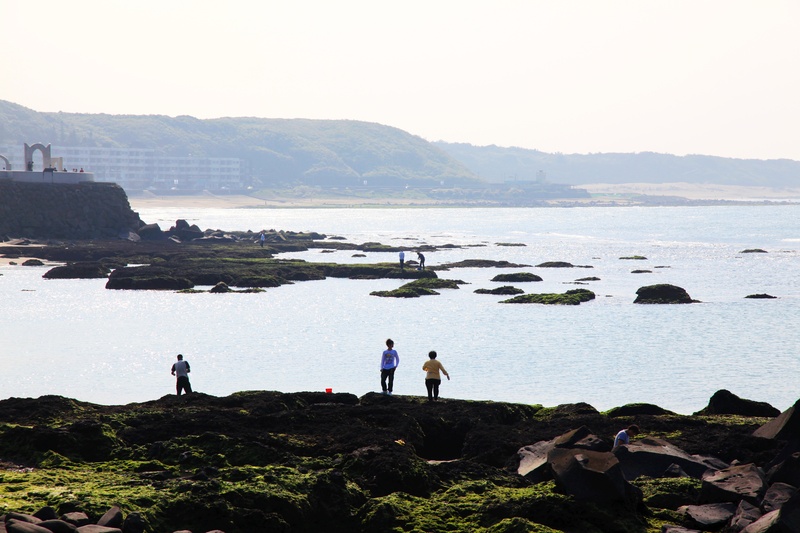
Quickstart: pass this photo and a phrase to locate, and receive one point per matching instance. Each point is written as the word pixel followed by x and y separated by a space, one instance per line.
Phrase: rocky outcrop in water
pixel 85 210
pixel 663 293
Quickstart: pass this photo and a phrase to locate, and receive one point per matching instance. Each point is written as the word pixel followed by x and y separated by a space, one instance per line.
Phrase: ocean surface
pixel 77 339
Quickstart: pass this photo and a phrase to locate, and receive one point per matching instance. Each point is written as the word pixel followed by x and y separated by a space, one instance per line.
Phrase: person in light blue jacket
pixel 389 362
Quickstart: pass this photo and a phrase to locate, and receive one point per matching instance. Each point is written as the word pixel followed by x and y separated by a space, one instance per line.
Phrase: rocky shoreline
pixel 303 462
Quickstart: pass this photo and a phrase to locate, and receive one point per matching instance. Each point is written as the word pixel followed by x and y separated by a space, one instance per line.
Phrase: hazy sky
pixel 673 76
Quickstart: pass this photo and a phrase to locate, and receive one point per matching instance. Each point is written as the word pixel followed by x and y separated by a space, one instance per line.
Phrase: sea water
pixel 76 338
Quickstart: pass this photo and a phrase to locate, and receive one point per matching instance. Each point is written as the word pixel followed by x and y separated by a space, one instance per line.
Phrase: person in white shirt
pixel 181 370
pixel 624 436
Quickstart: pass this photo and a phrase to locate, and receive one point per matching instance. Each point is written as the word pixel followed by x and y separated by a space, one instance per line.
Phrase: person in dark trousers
pixel 389 362
pixel 433 378
pixel 421 259
pixel 181 370
pixel 402 259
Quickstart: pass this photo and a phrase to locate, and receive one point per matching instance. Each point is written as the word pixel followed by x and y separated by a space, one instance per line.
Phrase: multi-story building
pixel 142 168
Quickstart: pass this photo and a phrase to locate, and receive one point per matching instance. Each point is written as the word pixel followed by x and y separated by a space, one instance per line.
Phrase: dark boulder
pixel 653 457
pixel 724 402
pixel 636 409
pixel 768 523
pixel 112 518
pixel 592 476
pixel 746 513
pixel 533 459
pixel 663 293
pixel 220 287
pixel 46 513
pixel 708 517
pixel 59 526
pixel 761 296
pixel 732 484
pixel 151 232
pixel 786 471
pixel 78 518
pixel 786 426
pixel 21 517
pixel 18 526
pixel 789 514
pixel 33 263
pixel 517 277
pixel 777 494
pixel 185 232
pixel 80 270
pixel 94 528
pixel 134 523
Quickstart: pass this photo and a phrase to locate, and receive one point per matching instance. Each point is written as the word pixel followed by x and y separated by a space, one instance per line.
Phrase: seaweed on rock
pixel 571 297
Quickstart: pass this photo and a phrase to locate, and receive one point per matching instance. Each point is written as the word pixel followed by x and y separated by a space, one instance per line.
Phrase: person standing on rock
pixel 262 238
pixel 624 436
pixel 433 378
pixel 181 370
pixel 389 362
pixel 402 259
pixel 421 259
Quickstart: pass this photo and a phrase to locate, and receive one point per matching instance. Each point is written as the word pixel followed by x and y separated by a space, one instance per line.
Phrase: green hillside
pixel 276 151
pixel 498 164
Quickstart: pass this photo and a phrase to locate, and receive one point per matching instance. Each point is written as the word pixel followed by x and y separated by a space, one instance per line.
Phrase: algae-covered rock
pixel 517 277
pixel 311 461
pixel 662 293
pixel 571 297
pixel 505 290
pixel 555 264
pixel 724 402
pixel 479 263
pixel 419 287
pixel 638 409
pixel 79 270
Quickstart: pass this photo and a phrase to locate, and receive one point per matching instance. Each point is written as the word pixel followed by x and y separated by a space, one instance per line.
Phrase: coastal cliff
pixel 65 211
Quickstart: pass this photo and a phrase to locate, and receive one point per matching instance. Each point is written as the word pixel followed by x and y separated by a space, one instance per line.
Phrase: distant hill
pixel 347 153
pixel 497 164
pixel 276 151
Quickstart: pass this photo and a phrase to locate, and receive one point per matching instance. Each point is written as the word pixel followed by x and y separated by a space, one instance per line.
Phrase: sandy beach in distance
pixel 600 191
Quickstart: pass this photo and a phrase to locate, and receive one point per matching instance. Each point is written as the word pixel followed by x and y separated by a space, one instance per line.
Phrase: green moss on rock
pixel 517 277
pixel 571 297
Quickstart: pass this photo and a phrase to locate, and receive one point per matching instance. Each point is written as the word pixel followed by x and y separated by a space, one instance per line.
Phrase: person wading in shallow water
pixel 181 370
pixel 389 362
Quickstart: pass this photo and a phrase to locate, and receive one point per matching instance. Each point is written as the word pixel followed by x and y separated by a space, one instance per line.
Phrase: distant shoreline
pixel 603 195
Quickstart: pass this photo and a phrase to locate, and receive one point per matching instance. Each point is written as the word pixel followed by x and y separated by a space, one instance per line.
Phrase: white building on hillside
pixel 141 168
